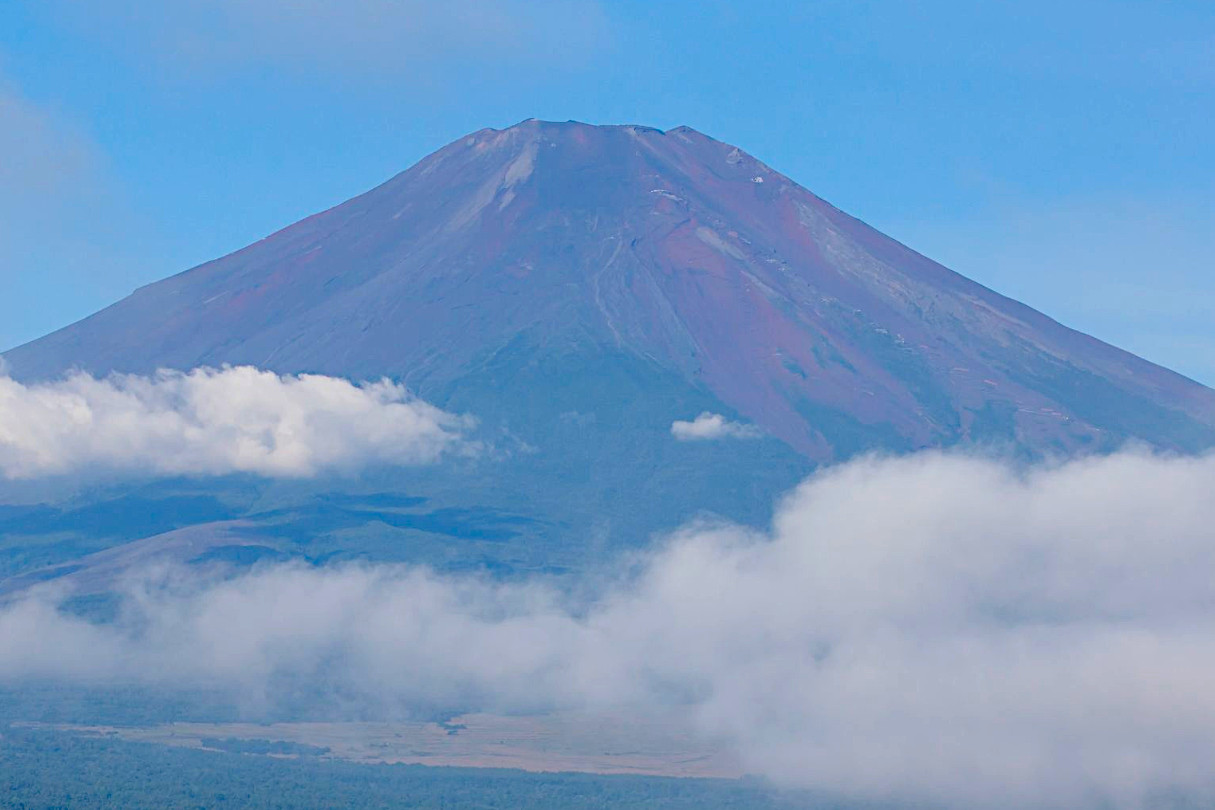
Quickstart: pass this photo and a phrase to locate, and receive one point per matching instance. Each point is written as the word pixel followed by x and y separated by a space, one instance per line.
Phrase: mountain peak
pixel 571 124
pixel 553 240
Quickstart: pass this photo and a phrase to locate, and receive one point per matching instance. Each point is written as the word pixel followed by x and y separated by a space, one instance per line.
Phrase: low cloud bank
pixel 934 627
pixel 710 426
pixel 215 421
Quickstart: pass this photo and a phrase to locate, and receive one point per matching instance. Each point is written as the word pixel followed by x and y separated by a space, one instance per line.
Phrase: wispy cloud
pixel 210 421
pixel 355 37
pixel 710 426
pixel 61 213
pixel 933 627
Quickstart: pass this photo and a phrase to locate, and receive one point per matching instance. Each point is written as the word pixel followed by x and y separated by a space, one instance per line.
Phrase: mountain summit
pixel 544 249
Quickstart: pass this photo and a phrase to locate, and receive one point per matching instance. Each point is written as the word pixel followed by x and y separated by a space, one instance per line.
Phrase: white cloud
pixel 212 421
pixel 709 426
pixel 930 628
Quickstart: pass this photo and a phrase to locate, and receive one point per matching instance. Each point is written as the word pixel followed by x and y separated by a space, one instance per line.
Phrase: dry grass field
pixel 602 744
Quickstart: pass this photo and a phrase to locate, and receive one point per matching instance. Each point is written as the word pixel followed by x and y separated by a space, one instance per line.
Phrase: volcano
pixel 580 288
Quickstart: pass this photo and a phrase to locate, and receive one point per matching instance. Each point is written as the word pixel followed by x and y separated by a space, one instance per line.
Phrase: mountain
pixel 578 288
pixel 544 242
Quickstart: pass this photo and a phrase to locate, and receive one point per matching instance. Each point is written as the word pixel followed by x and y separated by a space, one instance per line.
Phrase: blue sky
pixel 1058 152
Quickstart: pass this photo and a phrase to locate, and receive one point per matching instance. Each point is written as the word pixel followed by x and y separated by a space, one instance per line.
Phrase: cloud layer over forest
pixel 931 627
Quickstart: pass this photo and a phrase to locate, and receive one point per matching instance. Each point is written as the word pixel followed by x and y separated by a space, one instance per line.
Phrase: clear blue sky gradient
pixel 1060 153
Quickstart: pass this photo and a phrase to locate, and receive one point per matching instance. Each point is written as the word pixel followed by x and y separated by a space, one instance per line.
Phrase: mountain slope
pixel 565 244
pixel 578 289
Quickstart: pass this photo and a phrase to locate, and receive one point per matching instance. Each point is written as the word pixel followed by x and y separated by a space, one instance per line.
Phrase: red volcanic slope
pixel 667 247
